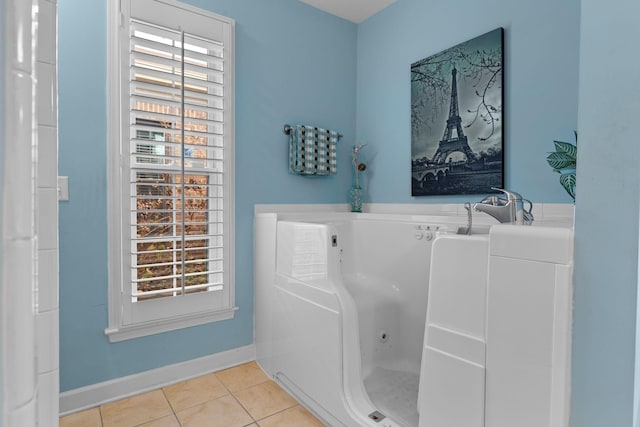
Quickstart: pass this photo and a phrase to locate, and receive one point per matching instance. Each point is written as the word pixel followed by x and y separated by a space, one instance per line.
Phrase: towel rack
pixel 287 131
pixel 312 150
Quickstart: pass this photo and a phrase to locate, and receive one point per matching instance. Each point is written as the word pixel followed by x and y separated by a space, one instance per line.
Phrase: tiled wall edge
pixel 47 323
pixel 47 339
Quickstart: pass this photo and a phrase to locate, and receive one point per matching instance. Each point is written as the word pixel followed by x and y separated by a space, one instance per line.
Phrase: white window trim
pixel 117 330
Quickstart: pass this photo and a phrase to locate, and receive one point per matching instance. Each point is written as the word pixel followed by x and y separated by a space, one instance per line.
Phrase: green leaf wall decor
pixel 563 161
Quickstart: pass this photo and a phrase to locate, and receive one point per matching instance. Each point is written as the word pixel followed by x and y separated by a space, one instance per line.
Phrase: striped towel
pixel 312 150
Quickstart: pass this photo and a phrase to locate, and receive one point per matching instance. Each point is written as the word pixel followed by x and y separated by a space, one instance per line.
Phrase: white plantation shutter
pixel 176 152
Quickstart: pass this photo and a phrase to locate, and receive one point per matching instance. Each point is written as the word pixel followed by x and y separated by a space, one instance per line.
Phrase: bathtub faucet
pixel 509 210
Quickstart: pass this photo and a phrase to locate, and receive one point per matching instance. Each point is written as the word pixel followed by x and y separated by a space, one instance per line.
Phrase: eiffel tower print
pixel 449 143
pixel 467 157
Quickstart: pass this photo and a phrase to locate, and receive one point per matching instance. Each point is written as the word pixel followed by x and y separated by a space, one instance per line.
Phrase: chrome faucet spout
pixel 503 213
pixel 506 210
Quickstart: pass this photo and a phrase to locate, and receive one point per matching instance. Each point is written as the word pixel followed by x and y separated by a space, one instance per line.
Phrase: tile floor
pixel 235 397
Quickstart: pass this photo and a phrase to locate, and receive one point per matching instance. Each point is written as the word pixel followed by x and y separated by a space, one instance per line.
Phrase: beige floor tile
pixel 194 392
pixel 170 421
pixel 135 410
pixel 88 418
pixel 264 399
pixel 292 417
pixel 242 376
pixel 222 412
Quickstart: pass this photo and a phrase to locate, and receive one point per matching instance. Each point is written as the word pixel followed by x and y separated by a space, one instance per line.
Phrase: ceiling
pixel 353 10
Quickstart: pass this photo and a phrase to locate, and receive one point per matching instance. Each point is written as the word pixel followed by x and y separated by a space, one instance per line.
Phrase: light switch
pixel 63 188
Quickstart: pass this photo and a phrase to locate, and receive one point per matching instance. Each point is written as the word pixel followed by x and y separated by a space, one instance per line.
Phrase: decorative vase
pixel 355 198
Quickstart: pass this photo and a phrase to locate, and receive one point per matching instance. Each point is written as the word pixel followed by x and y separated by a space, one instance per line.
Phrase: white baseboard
pixel 119 388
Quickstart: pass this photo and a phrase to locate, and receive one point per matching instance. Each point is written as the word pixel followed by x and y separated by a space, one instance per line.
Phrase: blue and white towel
pixel 312 150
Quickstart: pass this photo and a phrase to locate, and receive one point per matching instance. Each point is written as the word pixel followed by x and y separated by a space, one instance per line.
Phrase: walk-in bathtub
pixel 341 305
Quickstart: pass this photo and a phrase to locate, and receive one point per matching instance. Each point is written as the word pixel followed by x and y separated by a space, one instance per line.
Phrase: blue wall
pixel 607 212
pixel 541 93
pixel 294 64
pixel 541 86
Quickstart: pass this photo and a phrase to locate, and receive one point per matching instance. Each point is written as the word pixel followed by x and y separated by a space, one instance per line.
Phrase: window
pixel 171 168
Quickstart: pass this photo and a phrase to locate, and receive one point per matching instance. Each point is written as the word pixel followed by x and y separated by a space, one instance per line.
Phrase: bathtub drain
pixel 376 416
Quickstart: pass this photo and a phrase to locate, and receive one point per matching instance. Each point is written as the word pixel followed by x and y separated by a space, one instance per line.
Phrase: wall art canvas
pixel 456 119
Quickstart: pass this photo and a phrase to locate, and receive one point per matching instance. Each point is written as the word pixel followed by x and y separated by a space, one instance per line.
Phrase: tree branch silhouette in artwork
pixel 480 65
pixel 483 67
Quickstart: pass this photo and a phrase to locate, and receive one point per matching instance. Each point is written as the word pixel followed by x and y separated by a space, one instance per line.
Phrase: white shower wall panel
pixel 20 361
pixel 47 317
pixel 30 215
pixel 47 40
pixel 19 183
pixel 48 407
pixel 18 232
pixel 47 100
pixel 47 157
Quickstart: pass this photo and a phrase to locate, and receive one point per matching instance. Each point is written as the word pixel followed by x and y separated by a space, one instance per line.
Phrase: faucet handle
pixel 527 214
pixel 490 200
pixel 511 195
pixel 493 201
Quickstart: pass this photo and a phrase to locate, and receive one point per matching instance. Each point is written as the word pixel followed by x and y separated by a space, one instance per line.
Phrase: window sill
pixel 122 333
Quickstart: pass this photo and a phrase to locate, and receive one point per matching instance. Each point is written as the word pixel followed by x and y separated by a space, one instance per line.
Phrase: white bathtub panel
pixel 458 283
pixel 547 244
pixel 521 310
pixel 302 252
pixel 460 345
pixel 264 260
pixel 386 269
pixel 455 321
pixel 311 294
pixel 561 362
pixel 518 395
pixel 307 341
pixel 385 248
pixel 458 398
pixel 519 342
pixel 383 308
